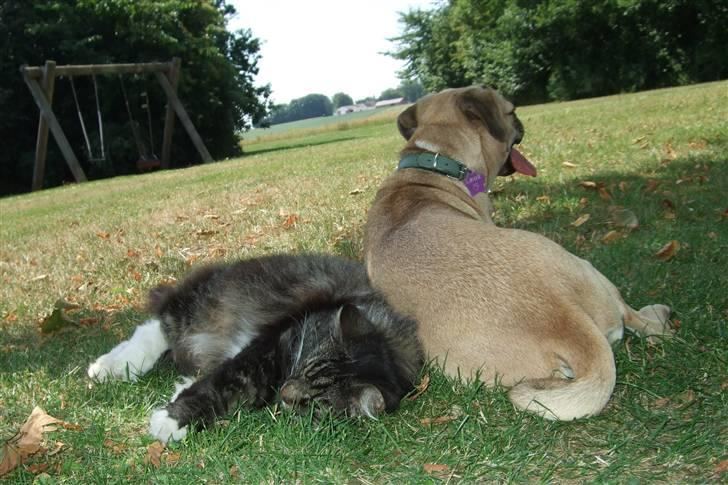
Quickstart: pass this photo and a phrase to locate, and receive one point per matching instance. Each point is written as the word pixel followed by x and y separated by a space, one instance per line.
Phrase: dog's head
pixel 474 125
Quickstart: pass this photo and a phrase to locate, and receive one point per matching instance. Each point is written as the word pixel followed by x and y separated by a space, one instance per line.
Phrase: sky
pixel 325 46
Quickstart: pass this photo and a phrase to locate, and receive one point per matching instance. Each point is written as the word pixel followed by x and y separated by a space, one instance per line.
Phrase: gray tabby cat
pixel 309 328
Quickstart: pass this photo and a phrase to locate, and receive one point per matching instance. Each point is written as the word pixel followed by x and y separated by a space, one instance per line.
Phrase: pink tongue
pixel 520 164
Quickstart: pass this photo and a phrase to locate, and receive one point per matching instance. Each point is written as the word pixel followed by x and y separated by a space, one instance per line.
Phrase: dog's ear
pixel 480 104
pixel 407 122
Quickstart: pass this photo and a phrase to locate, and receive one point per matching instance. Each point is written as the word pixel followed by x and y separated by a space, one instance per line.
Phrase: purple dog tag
pixel 475 183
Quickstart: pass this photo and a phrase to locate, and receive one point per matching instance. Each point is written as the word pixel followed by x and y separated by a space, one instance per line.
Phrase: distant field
pixel 100 246
pixel 324 121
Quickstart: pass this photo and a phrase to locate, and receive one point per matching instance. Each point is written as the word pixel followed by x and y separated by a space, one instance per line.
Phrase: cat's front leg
pixel 250 376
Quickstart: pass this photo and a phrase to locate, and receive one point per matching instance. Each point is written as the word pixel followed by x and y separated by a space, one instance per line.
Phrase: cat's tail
pixel 582 389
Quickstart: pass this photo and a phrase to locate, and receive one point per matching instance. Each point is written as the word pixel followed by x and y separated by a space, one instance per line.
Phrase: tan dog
pixel 504 304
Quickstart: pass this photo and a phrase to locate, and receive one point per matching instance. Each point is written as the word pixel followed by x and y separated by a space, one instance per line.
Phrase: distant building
pixel 389 102
pixel 352 108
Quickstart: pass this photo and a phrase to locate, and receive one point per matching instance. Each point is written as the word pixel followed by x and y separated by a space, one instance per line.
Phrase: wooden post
pixel 41 144
pixel 55 126
pixel 183 117
pixel 173 75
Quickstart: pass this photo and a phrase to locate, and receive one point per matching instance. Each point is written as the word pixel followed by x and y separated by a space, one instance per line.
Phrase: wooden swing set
pixel 41 82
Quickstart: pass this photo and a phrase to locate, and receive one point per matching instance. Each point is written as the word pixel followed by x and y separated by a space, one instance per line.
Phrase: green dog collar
pixel 435 162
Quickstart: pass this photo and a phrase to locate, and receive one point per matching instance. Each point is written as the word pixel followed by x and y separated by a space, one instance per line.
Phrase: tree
pixel 310 106
pixel 341 99
pixel 536 50
pixel 217 84
pixel 391 93
pixel 411 90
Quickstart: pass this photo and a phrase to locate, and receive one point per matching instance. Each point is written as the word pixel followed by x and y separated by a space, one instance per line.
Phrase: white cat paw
pixel 113 365
pixel 164 428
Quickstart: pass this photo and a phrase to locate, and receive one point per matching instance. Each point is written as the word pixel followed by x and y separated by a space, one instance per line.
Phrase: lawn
pixel 659 157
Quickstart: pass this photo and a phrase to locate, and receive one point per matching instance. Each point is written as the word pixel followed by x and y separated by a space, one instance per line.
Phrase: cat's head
pixel 350 371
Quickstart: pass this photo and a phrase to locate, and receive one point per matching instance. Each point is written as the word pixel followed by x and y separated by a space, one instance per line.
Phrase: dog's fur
pixel 506 305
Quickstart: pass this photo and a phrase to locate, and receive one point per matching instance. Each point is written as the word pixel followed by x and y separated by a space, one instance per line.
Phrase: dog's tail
pixel 576 392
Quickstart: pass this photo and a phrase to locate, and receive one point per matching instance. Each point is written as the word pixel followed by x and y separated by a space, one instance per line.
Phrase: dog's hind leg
pixel 134 357
pixel 652 321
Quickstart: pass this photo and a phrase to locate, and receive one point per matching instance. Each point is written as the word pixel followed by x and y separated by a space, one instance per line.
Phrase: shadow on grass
pixel 294 143
pixel 684 201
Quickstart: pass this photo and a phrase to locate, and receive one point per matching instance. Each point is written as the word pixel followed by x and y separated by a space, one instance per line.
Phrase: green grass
pixel 661 154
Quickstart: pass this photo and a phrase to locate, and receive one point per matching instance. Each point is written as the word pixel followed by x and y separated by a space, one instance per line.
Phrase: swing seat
pixel 147 164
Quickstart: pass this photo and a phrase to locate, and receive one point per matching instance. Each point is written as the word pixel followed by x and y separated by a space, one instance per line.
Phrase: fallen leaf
pixel 431 468
pixel 611 236
pixel 234 471
pixel 583 202
pixel 604 194
pixel 356 192
pixel 206 232
pixel 438 420
pixel 158 252
pixel 132 253
pixel 639 139
pixel 623 186
pixel 687 396
pixel 668 251
pixel 40 277
pixel 651 185
pixel 667 203
pixel 588 184
pixel 720 467
pixel 154 454
pixel 544 198
pixel 103 235
pixel 713 235
pixel 136 275
pixel 172 458
pixel 421 387
pixel 28 440
pixel 37 468
pixel 581 220
pixel 290 221
pixel 625 218
pixel 569 165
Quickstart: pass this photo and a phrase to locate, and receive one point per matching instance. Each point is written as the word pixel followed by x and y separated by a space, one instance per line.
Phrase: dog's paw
pixel 657 322
pixel 113 365
pixel 164 428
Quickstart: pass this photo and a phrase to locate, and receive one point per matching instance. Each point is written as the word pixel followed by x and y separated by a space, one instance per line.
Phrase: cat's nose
pixel 292 395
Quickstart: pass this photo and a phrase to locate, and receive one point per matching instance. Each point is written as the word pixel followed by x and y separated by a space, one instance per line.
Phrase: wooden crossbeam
pixel 99 69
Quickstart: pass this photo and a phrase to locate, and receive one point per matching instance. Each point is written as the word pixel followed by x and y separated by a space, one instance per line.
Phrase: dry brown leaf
pixel 234 471
pixel 103 235
pixel 668 251
pixel 583 202
pixel 611 236
pixel 438 420
pixel 172 458
pixel 421 387
pixel 206 232
pixel 28 440
pixel 544 199
pixel 132 253
pixel 623 186
pixel 290 221
pixel 37 468
pixel 720 467
pixel 651 185
pixel 581 220
pixel 569 165
pixel 154 454
pixel 588 184
pixel 604 194
pixel 435 468
pixel 625 218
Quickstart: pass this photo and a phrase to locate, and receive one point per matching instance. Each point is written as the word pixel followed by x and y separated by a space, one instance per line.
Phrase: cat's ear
pixel 352 324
